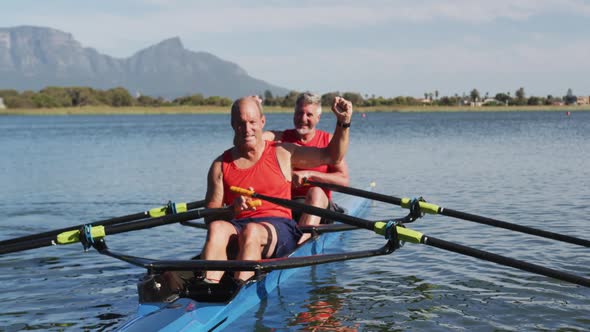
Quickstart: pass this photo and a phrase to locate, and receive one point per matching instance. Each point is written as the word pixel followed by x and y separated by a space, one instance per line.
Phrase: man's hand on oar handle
pixel 342 108
pixel 299 178
pixel 244 201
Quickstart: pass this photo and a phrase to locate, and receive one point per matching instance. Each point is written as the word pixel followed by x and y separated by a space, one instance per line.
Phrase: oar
pixel 435 209
pixel 151 213
pixel 49 238
pixel 408 235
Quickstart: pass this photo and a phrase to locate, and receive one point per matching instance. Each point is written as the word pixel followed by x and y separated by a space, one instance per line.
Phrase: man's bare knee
pixel 253 233
pixel 220 231
pixel 316 197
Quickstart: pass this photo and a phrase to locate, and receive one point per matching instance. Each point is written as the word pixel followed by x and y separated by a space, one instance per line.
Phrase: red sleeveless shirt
pixel 321 139
pixel 265 176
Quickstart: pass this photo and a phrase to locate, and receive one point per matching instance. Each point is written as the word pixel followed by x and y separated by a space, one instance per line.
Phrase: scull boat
pixel 196 306
pixel 190 314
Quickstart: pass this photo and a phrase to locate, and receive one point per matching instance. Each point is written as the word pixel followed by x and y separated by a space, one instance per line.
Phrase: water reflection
pixel 322 312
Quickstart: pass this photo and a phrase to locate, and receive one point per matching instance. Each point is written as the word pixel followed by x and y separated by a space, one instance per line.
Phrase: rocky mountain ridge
pixel 32 58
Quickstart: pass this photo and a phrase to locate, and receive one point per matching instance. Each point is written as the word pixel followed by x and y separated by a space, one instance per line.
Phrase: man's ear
pixel 263 119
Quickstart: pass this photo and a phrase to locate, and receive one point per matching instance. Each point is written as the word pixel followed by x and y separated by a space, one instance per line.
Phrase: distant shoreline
pixel 106 110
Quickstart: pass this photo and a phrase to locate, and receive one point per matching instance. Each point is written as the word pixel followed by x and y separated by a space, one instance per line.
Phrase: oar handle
pixel 242 191
pixel 246 192
pixel 254 203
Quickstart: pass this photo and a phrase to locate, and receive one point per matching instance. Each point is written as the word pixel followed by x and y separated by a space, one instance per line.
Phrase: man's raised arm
pixel 308 157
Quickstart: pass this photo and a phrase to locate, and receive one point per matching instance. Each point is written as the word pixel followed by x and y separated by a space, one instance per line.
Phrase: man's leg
pixel 218 238
pixel 255 239
pixel 316 197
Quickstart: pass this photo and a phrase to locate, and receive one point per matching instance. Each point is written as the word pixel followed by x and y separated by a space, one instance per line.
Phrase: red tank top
pixel 321 139
pixel 265 176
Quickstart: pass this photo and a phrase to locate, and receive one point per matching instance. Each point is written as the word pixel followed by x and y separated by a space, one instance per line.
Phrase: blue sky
pixel 385 48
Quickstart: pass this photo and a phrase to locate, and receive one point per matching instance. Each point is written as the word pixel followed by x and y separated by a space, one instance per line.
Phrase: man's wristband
pixel 343 125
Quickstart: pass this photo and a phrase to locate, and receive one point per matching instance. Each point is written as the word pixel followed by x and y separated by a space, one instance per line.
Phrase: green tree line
pixel 54 97
pixel 431 98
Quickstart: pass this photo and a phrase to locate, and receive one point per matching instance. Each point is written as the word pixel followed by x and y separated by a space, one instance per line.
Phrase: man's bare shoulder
pixel 272 135
pixel 215 169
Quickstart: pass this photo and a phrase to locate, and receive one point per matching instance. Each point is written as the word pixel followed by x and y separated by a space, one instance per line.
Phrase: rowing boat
pixel 188 314
pixel 199 307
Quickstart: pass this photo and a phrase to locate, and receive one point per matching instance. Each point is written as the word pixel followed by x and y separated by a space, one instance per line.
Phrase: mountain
pixel 32 58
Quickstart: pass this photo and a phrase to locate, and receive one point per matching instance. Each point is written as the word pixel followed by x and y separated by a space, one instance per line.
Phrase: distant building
pixel 583 100
pixel 492 101
pixel 2 106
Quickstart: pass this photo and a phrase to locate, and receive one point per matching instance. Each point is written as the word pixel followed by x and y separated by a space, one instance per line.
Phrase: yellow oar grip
pixel 242 191
pixel 379 227
pixel 74 236
pixel 254 203
pixel 181 207
pixel 161 211
pixel 424 207
pixel 404 234
pixel 409 235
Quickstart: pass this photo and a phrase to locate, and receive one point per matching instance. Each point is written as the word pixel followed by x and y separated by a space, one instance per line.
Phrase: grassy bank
pixel 105 110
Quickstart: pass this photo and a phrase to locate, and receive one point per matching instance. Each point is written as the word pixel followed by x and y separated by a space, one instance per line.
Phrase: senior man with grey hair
pixel 308 110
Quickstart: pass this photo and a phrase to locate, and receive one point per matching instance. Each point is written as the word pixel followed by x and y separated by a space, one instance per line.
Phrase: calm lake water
pixel 530 168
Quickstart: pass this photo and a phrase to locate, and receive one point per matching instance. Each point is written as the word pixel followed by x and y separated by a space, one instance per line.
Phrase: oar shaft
pixel 42 237
pixel 514 227
pixel 30 244
pixel 161 221
pixel 358 222
pixel 408 235
pixel 112 229
pixel 507 261
pixel 358 192
pixel 54 232
pixel 431 208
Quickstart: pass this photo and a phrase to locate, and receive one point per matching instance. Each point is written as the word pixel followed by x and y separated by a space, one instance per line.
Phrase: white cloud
pixel 461 68
pixel 144 22
pixel 226 16
pixel 340 13
pixel 387 66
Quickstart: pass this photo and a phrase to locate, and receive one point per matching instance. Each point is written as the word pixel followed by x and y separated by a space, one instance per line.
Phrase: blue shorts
pixel 287 232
